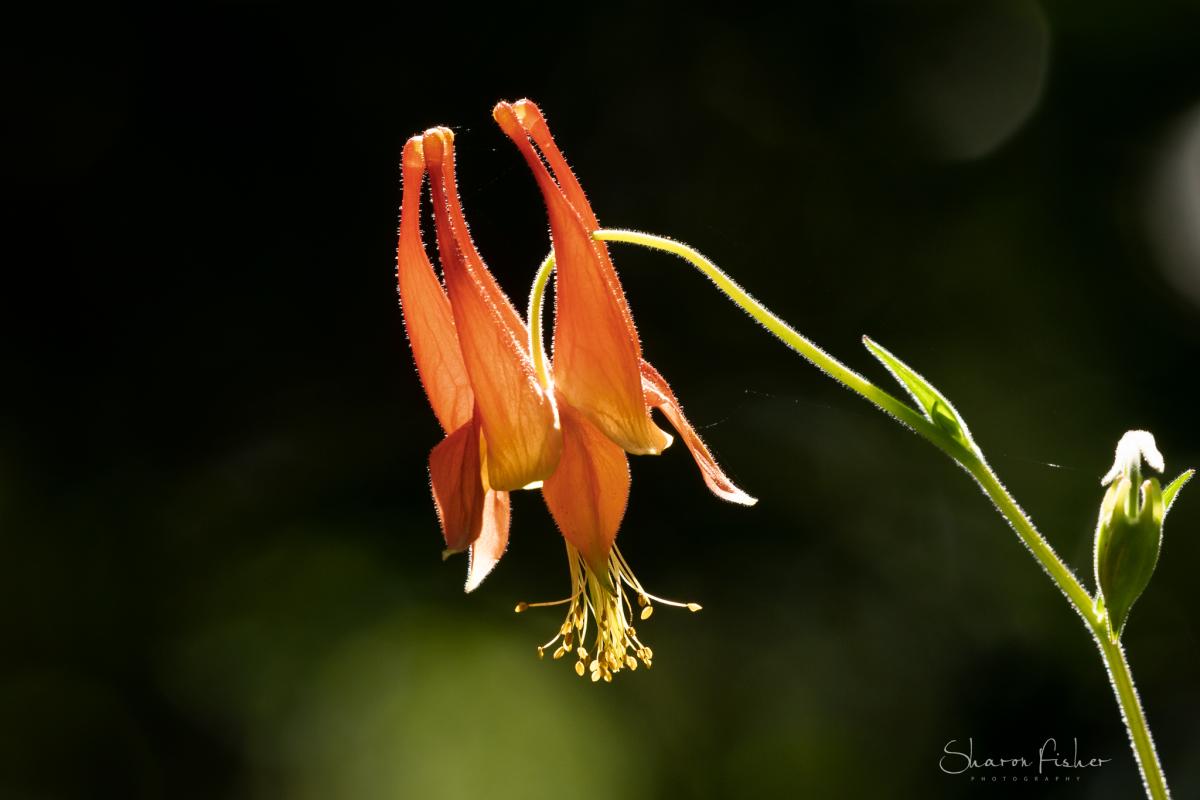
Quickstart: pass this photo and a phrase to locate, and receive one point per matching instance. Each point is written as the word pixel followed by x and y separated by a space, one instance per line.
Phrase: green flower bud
pixel 1129 531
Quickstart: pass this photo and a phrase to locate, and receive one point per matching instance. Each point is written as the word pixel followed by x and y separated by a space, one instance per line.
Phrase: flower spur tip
pixel 506 117
pixel 435 142
pixel 519 117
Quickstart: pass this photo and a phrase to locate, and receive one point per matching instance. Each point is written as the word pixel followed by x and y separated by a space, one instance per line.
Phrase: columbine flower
pixel 569 428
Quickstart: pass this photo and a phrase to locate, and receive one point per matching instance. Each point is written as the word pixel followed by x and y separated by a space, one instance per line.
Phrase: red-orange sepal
pixel 588 492
pixel 493 538
pixel 458 490
pixel 473 518
pixel 659 395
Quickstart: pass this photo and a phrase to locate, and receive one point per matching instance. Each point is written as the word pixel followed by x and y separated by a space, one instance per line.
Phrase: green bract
pixel 933 404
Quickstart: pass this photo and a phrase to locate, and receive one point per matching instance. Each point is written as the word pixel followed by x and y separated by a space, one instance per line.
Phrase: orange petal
pixel 427 315
pixel 659 395
pixel 493 538
pixel 452 231
pixel 531 119
pixel 596 348
pixel 520 424
pixel 588 492
pixel 458 491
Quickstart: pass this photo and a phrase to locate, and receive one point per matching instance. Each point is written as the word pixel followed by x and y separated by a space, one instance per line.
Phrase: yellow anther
pixel 521 606
pixel 631 662
pixel 579 670
pixel 643 601
pixel 595 675
pixel 607 677
pixel 541 651
pixel 559 652
pixel 647 611
pixel 693 607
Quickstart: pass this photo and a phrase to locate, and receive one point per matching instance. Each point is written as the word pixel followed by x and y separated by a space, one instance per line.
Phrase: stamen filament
pixel 675 603
pixel 523 606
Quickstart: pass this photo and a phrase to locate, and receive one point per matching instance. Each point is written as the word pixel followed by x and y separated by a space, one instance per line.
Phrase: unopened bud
pixel 1129 530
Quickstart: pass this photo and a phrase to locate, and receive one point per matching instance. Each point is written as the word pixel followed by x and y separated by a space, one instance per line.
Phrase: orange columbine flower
pixel 571 427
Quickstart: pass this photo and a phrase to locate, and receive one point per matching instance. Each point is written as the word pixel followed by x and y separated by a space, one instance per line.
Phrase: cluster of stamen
pixel 606 598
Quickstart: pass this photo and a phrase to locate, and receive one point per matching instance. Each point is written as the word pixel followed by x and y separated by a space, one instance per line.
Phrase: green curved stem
pixel 1112 654
pixel 537 295
pixel 822 360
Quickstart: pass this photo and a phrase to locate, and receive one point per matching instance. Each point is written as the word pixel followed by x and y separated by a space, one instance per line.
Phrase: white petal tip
pixel 473 581
pixel 1134 448
pixel 730 493
pixel 477 569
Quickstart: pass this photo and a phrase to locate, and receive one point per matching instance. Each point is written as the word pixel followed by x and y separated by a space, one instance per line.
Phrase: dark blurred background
pixel 221 574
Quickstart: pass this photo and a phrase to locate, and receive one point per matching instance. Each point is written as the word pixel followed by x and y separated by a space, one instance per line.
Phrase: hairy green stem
pixel 973 462
pixel 1059 572
pixel 1135 719
pixel 780 329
